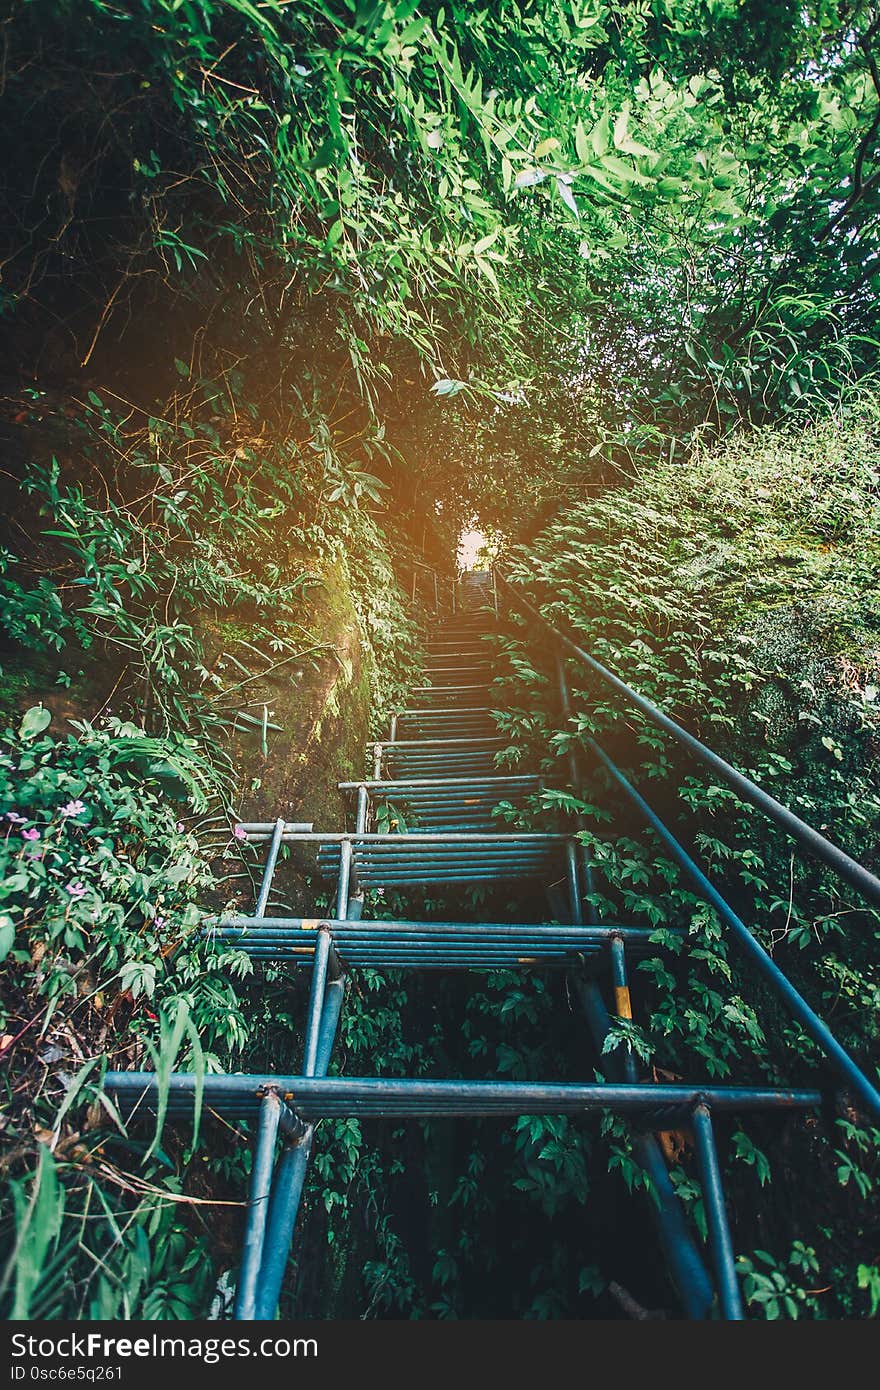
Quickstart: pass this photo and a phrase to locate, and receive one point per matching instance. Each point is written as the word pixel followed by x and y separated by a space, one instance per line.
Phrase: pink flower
pixel 180 827
pixel 239 832
pixel 73 808
pixel 15 818
pixel 160 922
pixel 31 834
pixel 76 889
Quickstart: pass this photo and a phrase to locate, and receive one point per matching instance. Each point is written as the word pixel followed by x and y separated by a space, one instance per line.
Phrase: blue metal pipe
pixel 290 1176
pixel 312 1096
pixel 716 1216
pixel 574 889
pixel 363 944
pixel 686 1267
pixel 384 952
pixel 632 935
pixel 343 881
pixel 412 853
pixel 470 764
pixel 515 837
pixel 400 880
pixel 316 999
pixel 418 961
pixel 456 796
pixel 622 1001
pixel 286 1196
pixel 258 1201
pixel 269 870
pixel 441 782
pixel 351 940
pixel 809 1020
pixel 413 850
pixel 441 963
pixel 457 712
pixel 416 866
pixel 333 1000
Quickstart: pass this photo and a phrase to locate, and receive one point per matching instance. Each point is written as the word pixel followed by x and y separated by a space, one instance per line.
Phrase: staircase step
pixel 477 656
pixel 447 726
pixel 452 755
pixel 431 697
pixel 450 802
pixel 502 781
pixel 425 945
pixel 446 857
pixel 442 646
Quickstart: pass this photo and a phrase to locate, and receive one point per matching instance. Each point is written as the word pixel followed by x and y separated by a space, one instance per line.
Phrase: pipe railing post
pixel 720 1243
pixel 686 1267
pixel 344 879
pixel 269 870
pixel 355 907
pixel 622 1001
pixel 291 1172
pixel 574 885
pixel 258 1202
pixel 316 997
pixel 585 863
pixel 283 1211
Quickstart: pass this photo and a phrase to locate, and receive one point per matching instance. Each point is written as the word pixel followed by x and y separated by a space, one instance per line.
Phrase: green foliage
pixel 738 591
pixel 76 1246
pixel 776 1289
pixel 100 928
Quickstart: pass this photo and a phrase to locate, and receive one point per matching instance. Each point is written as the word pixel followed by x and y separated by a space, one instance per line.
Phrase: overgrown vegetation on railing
pixel 740 594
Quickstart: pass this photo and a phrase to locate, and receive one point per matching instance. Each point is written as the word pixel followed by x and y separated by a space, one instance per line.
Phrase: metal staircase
pixel 437 771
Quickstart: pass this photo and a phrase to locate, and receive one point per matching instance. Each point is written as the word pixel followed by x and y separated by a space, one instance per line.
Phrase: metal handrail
pixel 809 1020
pixel 855 874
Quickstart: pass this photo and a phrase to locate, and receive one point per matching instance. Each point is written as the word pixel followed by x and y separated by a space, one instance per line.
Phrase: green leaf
pixel 7 935
pixel 34 721
pixel 563 188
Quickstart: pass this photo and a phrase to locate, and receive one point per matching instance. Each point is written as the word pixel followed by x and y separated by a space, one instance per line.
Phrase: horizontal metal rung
pixel 565 936
pixel 330 837
pixel 262 827
pixel 417 878
pixel 420 847
pixel 377 784
pixel 470 668
pixel 437 713
pixel 391 745
pixel 343 1097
